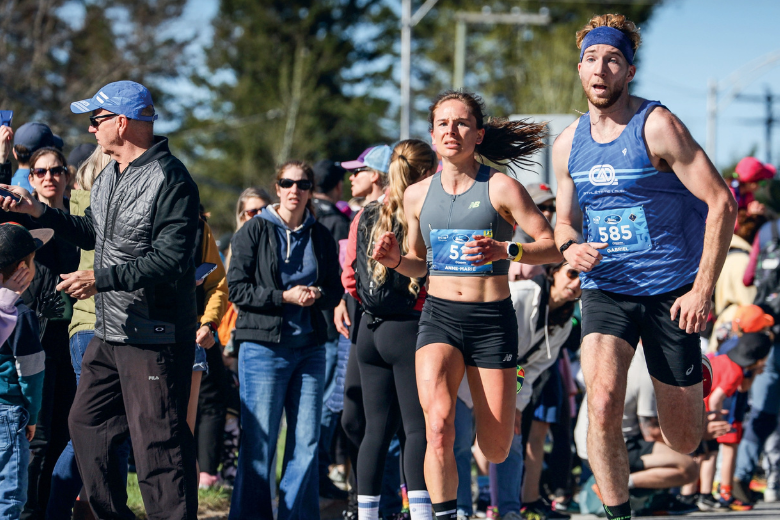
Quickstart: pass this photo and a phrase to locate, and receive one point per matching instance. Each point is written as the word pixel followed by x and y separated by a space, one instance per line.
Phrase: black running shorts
pixel 484 332
pixel 673 356
pixel 637 448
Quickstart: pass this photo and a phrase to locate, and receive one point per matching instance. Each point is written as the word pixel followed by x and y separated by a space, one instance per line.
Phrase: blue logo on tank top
pixel 652 225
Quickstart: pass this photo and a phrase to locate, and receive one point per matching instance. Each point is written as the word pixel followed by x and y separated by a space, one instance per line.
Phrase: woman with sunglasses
pixel 49 178
pixel 284 272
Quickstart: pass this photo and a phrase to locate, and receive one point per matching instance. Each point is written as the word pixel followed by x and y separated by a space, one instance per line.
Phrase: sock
pixel 419 505
pixel 368 507
pixel 620 512
pixel 630 482
pixel 725 492
pixel 446 510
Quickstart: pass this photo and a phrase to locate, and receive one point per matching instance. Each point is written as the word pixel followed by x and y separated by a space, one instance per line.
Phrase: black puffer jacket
pixel 255 283
pixel 142 224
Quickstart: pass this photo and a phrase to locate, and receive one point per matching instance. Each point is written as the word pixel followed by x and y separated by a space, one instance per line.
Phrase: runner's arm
pixel 669 139
pixel 515 203
pixel 580 255
pixel 387 250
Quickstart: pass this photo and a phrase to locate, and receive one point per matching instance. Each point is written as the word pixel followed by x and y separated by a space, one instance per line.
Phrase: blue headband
pixel 609 36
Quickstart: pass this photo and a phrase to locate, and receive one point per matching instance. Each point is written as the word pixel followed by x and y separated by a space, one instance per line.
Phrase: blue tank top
pixel 654 226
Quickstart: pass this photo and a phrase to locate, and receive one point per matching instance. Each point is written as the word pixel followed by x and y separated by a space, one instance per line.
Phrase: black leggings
pixel 386 361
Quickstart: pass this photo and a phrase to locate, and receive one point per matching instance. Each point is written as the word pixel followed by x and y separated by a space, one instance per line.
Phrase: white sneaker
pixel 771 495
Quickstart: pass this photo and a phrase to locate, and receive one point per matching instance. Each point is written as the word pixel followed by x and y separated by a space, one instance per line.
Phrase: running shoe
pixel 736 505
pixel 668 505
pixel 541 510
pixel 706 375
pixel 707 502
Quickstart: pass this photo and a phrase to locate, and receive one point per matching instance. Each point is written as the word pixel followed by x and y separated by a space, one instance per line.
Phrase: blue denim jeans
pixel 276 379
pixel 762 421
pixel 509 472
pixel 14 458
pixel 65 480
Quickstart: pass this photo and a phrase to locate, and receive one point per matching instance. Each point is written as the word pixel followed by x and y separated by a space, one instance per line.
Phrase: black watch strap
pixel 566 246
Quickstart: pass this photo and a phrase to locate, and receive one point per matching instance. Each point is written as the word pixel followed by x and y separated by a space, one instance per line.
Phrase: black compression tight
pixel 386 360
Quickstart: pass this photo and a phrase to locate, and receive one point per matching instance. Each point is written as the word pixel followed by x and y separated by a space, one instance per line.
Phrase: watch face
pixel 513 250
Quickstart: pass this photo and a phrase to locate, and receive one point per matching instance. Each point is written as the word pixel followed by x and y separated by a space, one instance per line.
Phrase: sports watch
pixel 566 246
pixel 514 251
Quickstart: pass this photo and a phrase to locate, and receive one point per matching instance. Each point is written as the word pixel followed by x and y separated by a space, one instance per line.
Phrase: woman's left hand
pixel 484 250
pixel 204 337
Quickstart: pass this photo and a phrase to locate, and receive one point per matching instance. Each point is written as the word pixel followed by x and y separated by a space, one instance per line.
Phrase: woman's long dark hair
pixel 505 142
pixel 559 316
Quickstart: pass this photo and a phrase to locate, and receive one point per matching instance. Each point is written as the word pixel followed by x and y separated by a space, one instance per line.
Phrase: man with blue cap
pixel 136 372
pixel 646 218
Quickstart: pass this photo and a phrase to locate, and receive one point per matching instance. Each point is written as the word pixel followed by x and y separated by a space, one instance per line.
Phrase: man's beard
pixel 599 102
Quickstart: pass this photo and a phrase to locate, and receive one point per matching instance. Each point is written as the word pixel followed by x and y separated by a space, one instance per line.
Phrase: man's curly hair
pixel 616 21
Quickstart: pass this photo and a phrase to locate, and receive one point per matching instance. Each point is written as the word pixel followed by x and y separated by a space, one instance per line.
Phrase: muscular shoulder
pixel 664 132
pixel 562 145
pixel 415 194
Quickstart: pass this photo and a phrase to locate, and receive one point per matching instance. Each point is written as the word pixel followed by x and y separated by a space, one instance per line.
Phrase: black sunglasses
pixel 94 121
pixel 546 207
pixel 56 171
pixel 303 184
pixel 572 273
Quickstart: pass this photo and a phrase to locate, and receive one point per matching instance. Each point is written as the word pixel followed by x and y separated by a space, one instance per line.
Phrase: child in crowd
pixel 740 359
pixel 21 367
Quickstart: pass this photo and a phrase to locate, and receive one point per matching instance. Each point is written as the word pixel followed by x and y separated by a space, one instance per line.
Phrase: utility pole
pixel 516 17
pixel 407 22
pixel 770 121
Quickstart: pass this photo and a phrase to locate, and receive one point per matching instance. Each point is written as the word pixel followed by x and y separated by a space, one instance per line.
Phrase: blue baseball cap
pixel 121 97
pixel 34 136
pixel 376 158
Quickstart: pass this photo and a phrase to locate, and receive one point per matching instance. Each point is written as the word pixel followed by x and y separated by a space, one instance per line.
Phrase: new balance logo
pixel 508 357
pixel 154 378
pixel 474 205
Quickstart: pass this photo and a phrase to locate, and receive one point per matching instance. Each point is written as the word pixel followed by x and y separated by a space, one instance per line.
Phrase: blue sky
pixel 690 41
pixel 686 43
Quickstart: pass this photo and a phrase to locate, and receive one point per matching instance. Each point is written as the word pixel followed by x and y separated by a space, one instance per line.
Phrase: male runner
pixel 646 218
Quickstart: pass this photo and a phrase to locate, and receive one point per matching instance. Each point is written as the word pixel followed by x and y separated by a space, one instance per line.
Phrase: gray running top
pixel 471 209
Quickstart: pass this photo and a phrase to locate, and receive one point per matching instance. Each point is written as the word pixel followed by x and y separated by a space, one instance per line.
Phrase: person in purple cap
pixel 136 371
pixel 645 217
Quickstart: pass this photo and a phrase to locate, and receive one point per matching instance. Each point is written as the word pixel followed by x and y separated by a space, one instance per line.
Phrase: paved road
pixel 761 512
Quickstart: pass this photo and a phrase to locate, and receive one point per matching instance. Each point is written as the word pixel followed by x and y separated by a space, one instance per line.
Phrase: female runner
pixel 460 226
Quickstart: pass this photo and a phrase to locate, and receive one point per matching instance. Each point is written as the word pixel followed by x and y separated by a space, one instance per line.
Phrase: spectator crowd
pixel 134 340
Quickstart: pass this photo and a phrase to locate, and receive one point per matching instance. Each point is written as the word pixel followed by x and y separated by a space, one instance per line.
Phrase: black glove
pixel 51 306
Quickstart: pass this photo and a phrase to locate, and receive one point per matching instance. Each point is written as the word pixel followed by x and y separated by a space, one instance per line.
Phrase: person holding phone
pixel 283 273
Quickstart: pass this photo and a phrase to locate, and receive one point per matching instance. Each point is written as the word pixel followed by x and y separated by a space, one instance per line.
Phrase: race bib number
pixel 447 247
pixel 625 230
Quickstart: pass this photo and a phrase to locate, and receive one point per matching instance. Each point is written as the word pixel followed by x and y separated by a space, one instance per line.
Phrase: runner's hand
pixel 484 250
pixel 80 285
pixel 341 319
pixel 387 251
pixel 19 281
pixel 584 257
pixel 694 307
pixel 6 143
pixel 28 204
pixel 29 432
pixel 204 337
pixel 716 426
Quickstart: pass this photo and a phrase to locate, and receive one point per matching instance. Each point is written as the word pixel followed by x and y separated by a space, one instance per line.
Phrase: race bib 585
pixel 624 229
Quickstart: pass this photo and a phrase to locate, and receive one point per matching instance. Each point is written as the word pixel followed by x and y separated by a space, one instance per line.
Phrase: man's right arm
pixel 579 255
pixel 79 231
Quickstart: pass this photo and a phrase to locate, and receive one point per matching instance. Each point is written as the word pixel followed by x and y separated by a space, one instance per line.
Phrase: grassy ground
pixel 209 500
